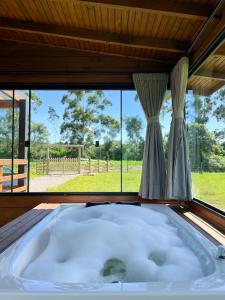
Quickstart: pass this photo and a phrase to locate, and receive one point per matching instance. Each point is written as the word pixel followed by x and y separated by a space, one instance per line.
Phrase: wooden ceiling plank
pixel 142 25
pixel 75 10
pixel 211 75
pixel 220 51
pixel 98 19
pixel 162 7
pixel 71 48
pixel 93 36
pixel 118 21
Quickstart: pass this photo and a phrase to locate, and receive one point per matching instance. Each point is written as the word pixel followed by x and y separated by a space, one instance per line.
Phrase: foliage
pixel 53 118
pixel 206 147
pixel 36 102
pixel 84 119
pixel 39 136
pixel 134 148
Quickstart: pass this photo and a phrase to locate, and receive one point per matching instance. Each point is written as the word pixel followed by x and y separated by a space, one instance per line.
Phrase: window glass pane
pixel 21 120
pixel 133 136
pixel 75 141
pixel 6 114
pixel 165 121
pixel 206 127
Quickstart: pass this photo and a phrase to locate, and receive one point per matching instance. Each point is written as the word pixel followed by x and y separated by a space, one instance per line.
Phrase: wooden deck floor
pixel 12 231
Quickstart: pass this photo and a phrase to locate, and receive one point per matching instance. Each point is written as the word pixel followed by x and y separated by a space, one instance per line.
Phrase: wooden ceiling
pixel 102 41
pixel 211 75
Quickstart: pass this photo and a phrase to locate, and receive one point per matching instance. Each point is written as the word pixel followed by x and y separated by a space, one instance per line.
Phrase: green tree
pixel 36 101
pixel 84 119
pixel 39 136
pixel 134 147
pixel 206 150
pixel 219 100
pixel 53 118
pixel 6 123
pixel 201 145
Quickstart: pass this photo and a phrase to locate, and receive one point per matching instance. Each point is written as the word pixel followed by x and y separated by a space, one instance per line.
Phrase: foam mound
pixel 111 243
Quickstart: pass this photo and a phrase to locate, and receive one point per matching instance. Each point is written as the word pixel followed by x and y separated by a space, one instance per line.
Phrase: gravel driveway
pixel 42 183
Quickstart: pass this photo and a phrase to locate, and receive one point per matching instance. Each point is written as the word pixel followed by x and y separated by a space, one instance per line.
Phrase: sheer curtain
pixel 151 89
pixel 178 185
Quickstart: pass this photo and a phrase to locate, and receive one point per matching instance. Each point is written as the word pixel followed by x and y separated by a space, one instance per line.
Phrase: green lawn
pixel 101 182
pixel 209 187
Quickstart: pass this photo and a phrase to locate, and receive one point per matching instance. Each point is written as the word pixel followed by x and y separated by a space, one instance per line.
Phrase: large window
pixel 205 116
pixel 74 140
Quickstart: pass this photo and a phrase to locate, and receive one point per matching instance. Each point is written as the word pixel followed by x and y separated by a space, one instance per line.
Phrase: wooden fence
pixel 18 178
pixel 80 166
pixel 71 166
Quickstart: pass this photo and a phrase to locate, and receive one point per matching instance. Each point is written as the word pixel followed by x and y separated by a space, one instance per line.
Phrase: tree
pixel 84 119
pixel 201 145
pixel 219 99
pixel 134 148
pixel 39 136
pixel 35 101
pixel 53 117
pixel 133 128
pixel 6 123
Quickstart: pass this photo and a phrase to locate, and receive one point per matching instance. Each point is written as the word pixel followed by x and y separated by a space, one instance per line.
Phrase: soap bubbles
pixel 114 243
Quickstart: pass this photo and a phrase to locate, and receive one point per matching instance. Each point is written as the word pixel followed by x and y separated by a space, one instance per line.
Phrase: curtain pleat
pixel 151 89
pixel 178 183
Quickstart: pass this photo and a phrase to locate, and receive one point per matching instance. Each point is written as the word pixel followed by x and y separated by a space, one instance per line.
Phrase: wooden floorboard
pixel 210 232
pixel 12 231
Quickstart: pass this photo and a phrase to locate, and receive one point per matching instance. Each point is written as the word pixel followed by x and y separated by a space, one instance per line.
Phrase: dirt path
pixel 42 183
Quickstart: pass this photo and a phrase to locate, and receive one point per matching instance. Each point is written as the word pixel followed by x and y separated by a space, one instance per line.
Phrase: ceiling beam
pixel 69 32
pixel 211 74
pixel 210 40
pixel 20 48
pixel 28 63
pixel 41 58
pixel 8 104
pixel 162 7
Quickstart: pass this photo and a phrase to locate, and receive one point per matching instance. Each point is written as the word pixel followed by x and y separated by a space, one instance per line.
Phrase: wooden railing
pixel 4 178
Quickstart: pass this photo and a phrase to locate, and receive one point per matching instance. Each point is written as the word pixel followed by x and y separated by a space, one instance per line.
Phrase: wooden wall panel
pixel 12 205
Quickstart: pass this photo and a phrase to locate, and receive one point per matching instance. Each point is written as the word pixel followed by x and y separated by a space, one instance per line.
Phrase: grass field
pixel 209 187
pixel 101 182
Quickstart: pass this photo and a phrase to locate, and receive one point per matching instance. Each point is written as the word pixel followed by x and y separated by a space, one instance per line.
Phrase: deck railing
pixel 4 178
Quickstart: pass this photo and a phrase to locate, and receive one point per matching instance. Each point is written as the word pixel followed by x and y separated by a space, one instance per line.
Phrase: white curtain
pixel 178 184
pixel 151 89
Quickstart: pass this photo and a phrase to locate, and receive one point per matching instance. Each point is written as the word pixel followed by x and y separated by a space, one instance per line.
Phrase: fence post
pixel 127 166
pixel 98 166
pixel 79 164
pixel 47 166
pixel 1 177
pixel 89 165
pixel 63 165
pixel 107 165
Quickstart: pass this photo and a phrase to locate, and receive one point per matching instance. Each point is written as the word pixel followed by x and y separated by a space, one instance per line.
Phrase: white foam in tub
pixel 114 243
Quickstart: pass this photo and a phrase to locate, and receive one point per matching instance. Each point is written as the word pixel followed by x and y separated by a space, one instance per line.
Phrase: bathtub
pixel 15 259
